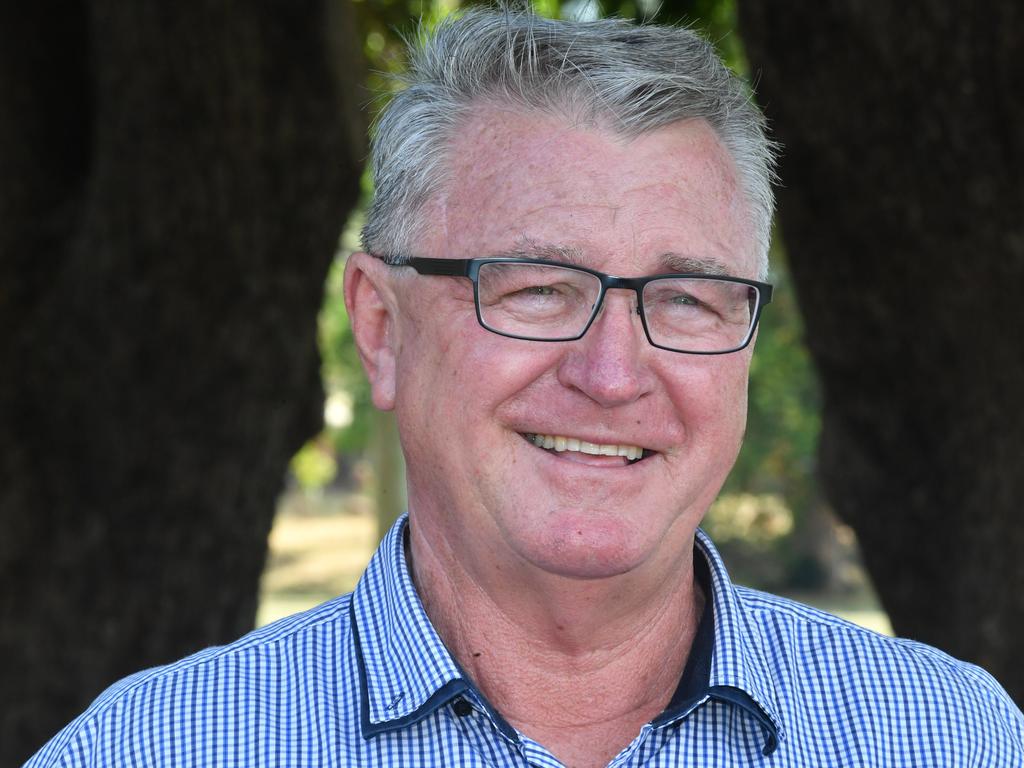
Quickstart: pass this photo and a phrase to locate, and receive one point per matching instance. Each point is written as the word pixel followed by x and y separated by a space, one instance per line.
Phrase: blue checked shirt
pixel 364 680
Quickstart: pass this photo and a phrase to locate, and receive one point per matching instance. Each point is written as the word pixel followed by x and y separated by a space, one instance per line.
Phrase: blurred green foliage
pixel 777 460
pixel 783 409
pixel 314 466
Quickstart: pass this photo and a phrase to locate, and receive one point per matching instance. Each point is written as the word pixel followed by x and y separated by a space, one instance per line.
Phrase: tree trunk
pixel 174 180
pixel 903 216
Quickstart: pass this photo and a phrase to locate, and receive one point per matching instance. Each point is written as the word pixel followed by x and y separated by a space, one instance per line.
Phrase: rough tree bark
pixel 902 212
pixel 173 181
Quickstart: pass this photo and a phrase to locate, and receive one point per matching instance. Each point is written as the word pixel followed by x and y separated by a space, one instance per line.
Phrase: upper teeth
pixel 559 443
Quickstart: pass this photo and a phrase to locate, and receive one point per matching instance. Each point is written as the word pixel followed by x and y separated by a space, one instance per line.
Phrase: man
pixel 563 275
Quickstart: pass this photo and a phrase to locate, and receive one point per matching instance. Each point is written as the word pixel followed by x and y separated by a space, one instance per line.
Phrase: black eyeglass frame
pixel 470 268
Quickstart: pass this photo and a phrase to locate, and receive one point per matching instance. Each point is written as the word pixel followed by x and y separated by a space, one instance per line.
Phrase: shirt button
pixel 461 707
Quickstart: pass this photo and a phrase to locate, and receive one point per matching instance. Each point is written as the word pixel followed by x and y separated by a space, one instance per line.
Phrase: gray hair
pixel 631 79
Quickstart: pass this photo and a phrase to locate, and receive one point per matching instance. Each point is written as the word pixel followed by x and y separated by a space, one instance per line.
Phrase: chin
pixel 585 547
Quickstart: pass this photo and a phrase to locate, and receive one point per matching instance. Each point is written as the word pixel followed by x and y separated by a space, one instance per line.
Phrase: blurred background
pixel 186 444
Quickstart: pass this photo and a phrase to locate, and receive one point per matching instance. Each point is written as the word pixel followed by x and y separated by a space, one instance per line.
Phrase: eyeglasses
pixel 539 300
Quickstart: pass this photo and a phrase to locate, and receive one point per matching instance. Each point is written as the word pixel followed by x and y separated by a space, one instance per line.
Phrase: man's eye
pixel 535 291
pixel 686 300
pixel 539 290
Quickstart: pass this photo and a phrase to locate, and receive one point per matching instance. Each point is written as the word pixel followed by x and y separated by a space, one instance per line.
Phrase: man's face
pixel 465 397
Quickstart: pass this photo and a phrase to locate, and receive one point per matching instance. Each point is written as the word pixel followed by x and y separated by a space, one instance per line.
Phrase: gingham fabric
pixel 364 680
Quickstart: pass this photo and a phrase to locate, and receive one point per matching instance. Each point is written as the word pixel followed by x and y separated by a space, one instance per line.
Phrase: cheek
pixel 454 376
pixel 712 400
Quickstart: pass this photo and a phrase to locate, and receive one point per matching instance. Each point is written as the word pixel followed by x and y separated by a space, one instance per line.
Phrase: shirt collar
pixel 738 669
pixel 406 673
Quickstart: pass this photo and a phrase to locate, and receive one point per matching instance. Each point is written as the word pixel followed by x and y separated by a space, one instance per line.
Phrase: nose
pixel 608 364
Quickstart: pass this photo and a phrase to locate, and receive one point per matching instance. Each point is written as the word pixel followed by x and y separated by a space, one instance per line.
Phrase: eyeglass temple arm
pixel 446 267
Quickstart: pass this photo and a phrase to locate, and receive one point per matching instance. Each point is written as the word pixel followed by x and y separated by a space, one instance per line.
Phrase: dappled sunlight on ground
pixel 318 550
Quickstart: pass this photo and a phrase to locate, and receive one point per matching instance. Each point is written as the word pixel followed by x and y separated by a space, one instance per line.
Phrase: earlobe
pixel 371 305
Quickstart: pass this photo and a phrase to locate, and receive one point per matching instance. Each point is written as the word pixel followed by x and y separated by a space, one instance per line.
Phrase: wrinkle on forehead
pixel 501 184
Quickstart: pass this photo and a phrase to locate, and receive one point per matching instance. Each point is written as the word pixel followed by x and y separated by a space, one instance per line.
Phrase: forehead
pixel 532 183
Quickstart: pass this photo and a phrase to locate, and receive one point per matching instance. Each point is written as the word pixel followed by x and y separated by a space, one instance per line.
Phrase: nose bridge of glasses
pixel 632 285
pixel 616 294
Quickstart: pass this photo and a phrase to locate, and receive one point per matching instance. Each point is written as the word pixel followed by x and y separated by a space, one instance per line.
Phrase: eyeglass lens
pixel 543 301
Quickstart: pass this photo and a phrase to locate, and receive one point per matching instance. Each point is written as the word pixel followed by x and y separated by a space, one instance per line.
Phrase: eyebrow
pixel 677 262
pixel 528 248
pixel 669 261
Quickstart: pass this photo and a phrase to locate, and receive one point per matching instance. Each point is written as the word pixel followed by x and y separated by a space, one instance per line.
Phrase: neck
pixel 579 665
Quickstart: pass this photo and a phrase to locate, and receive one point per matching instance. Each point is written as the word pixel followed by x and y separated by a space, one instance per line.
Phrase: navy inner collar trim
pixel 448 692
pixel 440 697
pixel 694 689
pixel 693 683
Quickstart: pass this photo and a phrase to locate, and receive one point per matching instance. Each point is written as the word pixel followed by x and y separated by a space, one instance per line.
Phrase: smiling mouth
pixel 560 444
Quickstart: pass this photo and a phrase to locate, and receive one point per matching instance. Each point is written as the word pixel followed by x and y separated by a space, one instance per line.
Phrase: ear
pixel 371 305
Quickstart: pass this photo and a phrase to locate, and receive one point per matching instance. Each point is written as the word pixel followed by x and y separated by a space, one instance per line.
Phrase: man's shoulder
pixel 803 627
pixel 819 658
pixel 283 641
pixel 811 632
pixel 261 670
